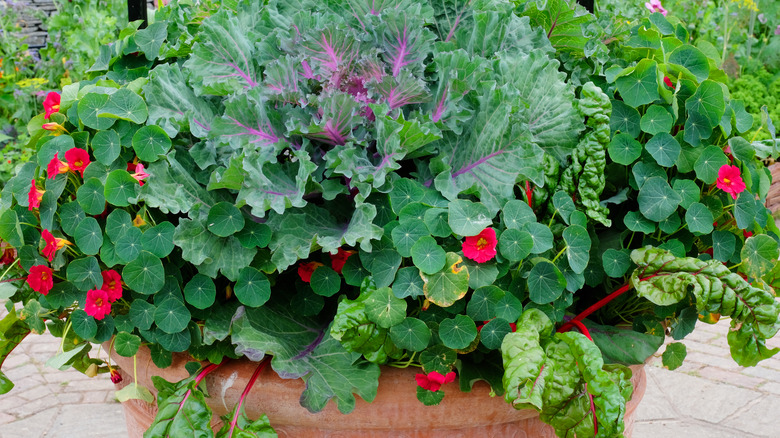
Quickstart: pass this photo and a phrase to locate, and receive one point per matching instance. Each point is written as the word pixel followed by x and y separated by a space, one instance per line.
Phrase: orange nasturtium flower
pixel 55 128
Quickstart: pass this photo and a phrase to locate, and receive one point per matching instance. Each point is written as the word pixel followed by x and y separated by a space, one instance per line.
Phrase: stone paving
pixel 709 396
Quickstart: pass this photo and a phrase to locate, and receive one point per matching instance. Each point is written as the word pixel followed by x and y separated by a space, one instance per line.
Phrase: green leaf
pixel 541 235
pixel 200 292
pixel 516 214
pixel 699 219
pixel 6 385
pixel 723 245
pixel 577 247
pixel 709 163
pixel 688 156
pixel 120 187
pixel 11 229
pixel 688 190
pixel 171 316
pixel 545 283
pixel 759 255
pixel 428 256
pixel 325 281
pixel 436 221
pixel 656 120
pixel 563 205
pixel 634 221
pixel 449 285
pixel 134 391
pixel 615 262
pixel 254 235
pixel 129 246
pixel 657 200
pixel 182 409
pixel 407 234
pixel 408 283
pixel 150 40
pixel 88 109
pixel 126 344
pixel 253 288
pixel 145 274
pixel 509 308
pixel 624 346
pixel 515 245
pixel 411 334
pixel 742 149
pixel 106 146
pixel 674 355
pixel 225 219
pixel 83 325
pixel 439 358
pixel 85 274
pixel 664 148
pixel 150 142
pixel 624 119
pixel 405 192
pixel 643 170
pixel 457 332
pixel 142 314
pixel 481 306
pixel 641 86
pixel 383 308
pixel 158 239
pixel 126 105
pixel 468 218
pixel 117 224
pixel 492 333
pixel 90 196
pixel 623 149
pixel 692 59
pixel 708 101
pixel 745 210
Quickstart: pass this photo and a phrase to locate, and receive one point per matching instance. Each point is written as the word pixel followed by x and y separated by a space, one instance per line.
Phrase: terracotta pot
pixel 394 413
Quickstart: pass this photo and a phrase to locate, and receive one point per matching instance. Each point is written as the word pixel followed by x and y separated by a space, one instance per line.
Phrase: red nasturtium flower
pixel 35 196
pixel 306 269
pixel 668 82
pixel 112 284
pixel 730 180
pixel 55 128
pixel 41 279
pixel 56 167
pixel 337 261
pixel 481 247
pixel 78 159
pixel 115 376
pixel 434 380
pixel 140 173
pixel 97 305
pixel 51 104
pixel 52 244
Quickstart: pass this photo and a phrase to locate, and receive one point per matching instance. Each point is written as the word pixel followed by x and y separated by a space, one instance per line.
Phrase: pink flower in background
pixel 777 30
pixel 655 6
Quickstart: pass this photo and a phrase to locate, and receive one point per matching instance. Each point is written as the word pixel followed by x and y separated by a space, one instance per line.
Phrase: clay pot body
pixel 395 413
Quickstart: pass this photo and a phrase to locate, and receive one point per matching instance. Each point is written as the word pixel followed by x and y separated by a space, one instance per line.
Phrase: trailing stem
pixel 248 388
pixel 202 375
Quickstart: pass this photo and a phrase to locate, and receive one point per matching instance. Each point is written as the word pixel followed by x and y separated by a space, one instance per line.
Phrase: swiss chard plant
pixel 333 187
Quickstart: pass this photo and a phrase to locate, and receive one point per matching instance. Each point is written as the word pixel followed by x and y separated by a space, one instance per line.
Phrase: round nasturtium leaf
pixel 90 196
pixel 515 245
pixel 171 316
pixel 438 358
pixel 383 308
pixel 127 105
pixel 175 342
pixel 126 344
pixel 468 218
pixel 709 163
pixel 354 272
pixel 117 224
pixel 516 214
pixel 670 224
pixel 657 200
pixel 436 221
pixel 634 221
pixel 142 314
pixel 84 273
pixel 545 283
pixel 427 255
pixel 106 146
pixel 415 210
pixel 225 219
pixel 158 240
pixel 640 87
pixel 577 247
pixel 88 109
pixel 623 149
pixel 624 119
pixel 150 142
pixel 642 170
pixel 481 306
pixel 745 210
pixel 688 190
pixel 407 282
pixel 692 59
pixel 541 235
pixel 481 274
pixel 616 262
pixel 492 333
pixel 656 120
pixel 325 281
pixel 89 236
pixel 699 219
pixel 664 149
pixel 411 334
pixel 405 192
pixel 254 235
pixel 407 234
pixel 71 214
pixel 129 246
pixel 448 285
pixel 723 245
pixel 252 288
pixel 760 254
pixel 457 332
pixel 120 187
pixel 708 101
pixel 145 274
pixel 508 308
pixel 83 325
pixel 200 292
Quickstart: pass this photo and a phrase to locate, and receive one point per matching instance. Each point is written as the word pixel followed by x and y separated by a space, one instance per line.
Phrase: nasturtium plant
pixel 331 187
